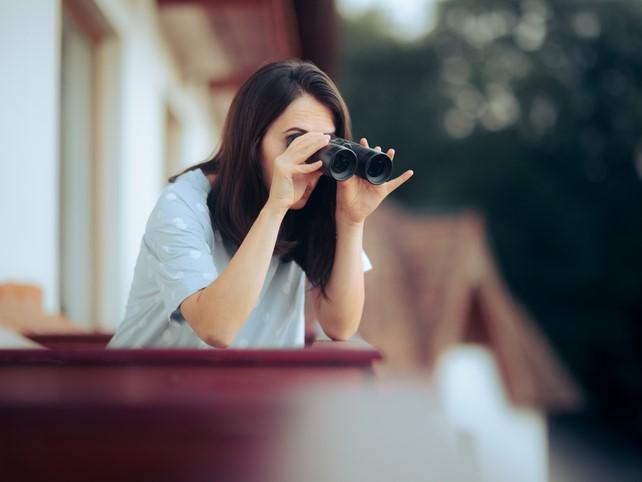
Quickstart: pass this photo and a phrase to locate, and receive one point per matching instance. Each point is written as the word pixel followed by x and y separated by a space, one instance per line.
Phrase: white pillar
pixel 29 143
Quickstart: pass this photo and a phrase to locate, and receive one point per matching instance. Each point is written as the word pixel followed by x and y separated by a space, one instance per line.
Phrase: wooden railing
pixel 75 340
pixel 78 413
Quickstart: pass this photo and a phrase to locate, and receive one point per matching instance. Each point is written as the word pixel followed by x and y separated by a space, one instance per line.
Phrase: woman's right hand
pixel 290 173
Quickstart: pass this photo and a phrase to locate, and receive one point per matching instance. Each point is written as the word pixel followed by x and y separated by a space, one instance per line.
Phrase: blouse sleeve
pixel 177 239
pixel 365 263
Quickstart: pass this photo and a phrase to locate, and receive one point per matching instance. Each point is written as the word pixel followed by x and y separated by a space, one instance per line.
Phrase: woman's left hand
pixel 357 198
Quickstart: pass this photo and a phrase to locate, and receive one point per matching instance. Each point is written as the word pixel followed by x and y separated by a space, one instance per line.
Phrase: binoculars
pixel 343 158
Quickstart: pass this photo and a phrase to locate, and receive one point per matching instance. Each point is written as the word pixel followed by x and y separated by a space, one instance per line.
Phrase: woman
pixel 230 243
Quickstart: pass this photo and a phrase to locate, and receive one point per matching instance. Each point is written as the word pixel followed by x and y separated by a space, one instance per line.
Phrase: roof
pixel 435 284
pixel 222 42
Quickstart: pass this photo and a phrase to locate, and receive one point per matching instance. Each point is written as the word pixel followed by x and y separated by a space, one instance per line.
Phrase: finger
pixel 398 181
pixel 305 140
pixel 301 153
pixel 304 151
pixel 306 168
pixel 391 153
pixel 364 142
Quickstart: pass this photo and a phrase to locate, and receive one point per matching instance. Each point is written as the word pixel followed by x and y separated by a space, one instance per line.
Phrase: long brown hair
pixel 308 235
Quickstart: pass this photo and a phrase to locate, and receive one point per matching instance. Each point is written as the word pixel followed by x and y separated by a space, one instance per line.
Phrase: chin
pixel 300 204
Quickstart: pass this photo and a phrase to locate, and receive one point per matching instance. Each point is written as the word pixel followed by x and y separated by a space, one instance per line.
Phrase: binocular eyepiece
pixel 343 158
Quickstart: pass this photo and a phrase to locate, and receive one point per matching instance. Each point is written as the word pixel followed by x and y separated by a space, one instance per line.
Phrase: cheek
pixel 268 155
pixel 267 171
pixel 316 181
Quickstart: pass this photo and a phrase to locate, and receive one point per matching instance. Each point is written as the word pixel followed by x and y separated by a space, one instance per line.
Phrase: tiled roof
pixel 435 284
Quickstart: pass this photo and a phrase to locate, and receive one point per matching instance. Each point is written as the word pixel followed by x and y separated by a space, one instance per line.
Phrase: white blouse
pixel 181 253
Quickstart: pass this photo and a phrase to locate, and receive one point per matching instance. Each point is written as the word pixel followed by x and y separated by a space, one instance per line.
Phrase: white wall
pixel 191 104
pixel 149 80
pixel 139 77
pixel 29 117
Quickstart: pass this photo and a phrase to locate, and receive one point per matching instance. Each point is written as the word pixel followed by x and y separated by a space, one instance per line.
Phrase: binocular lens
pixel 343 161
pixel 378 169
pixel 343 158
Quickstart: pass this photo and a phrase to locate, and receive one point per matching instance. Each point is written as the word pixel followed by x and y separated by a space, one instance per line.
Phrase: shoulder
pixel 182 205
pixel 191 187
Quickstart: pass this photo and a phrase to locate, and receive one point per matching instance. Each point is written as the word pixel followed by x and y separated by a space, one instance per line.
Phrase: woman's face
pixel 304 114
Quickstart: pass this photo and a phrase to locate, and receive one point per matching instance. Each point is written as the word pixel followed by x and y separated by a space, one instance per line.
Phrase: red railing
pixel 78 413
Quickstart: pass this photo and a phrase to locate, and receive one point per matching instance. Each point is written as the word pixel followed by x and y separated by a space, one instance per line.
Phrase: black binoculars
pixel 343 158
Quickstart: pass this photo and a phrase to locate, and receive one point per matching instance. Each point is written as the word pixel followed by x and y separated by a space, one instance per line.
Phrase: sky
pixel 412 18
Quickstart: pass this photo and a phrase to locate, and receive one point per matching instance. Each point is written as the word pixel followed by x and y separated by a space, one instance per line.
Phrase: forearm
pixel 226 303
pixel 340 315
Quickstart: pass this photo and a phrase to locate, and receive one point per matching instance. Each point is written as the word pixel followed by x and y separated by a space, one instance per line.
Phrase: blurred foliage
pixel 532 113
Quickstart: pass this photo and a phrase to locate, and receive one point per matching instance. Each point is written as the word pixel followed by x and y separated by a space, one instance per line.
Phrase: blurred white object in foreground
pixel 508 443
pixel 379 435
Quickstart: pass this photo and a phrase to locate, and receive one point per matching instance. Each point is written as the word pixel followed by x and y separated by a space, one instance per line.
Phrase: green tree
pixel 531 112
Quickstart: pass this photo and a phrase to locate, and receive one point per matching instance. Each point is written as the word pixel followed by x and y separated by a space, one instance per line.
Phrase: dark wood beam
pixel 276 40
pixel 231 82
pixel 318 33
pixel 88 18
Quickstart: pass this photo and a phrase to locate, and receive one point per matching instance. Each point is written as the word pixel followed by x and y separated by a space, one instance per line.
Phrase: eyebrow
pixel 303 130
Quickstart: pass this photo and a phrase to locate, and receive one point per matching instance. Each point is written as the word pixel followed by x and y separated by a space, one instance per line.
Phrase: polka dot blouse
pixel 181 253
